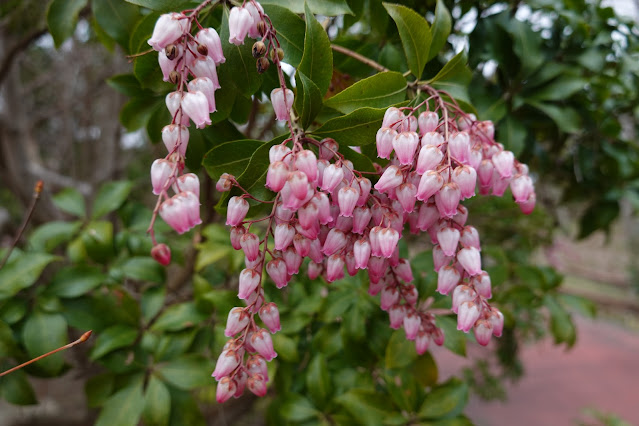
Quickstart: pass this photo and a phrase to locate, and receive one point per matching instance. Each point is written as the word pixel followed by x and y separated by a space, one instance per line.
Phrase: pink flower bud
pixel 236 212
pixel 306 162
pixel 328 148
pixel 462 293
pixel 466 178
pixel 210 38
pixel 362 253
pixel 521 187
pixel 447 279
pixel 276 176
pixel 467 316
pixel 224 183
pixel 405 145
pixel 237 321
pixel 432 138
pixel 335 241
pixel 282 101
pixel 447 199
pixel 428 121
pixel 496 318
pixel 240 21
pixel 299 184
pixel 504 163
pixel 270 316
pixel 347 197
pixel 261 341
pixel 429 158
pixel 161 174
pixel 448 238
pixel 377 265
pixel 226 363
pixel 167 30
pixel 461 216
pixel 161 253
pixel 332 177
pixel 459 146
pixel 528 206
pixel 236 235
pixel 403 271
pixel 483 332
pixel 390 296
pixel 240 379
pixel 256 384
pixel 388 238
pixel 487 128
pixel 188 183
pixel 249 281
pixel 250 243
pixel 334 268
pixel 499 185
pixel 439 258
pixel 481 283
pixel 204 85
pixel 485 173
pixel 421 342
pixel 196 106
pixel 276 269
pixel 384 142
pixel 428 215
pixel 470 259
pixel 406 193
pixel 181 212
pixel 408 124
pixel 412 321
pixel 429 185
pixel 390 179
pixel 254 302
pixel 314 270
pixel 173 102
pixel 226 388
pixel 409 293
pixel 396 314
pixel 283 236
pixel 470 237
pixel 392 117
pixel 204 66
pixel 302 245
pixel 293 260
pixel 279 153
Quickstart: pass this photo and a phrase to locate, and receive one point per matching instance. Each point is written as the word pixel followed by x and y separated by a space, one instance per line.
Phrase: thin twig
pixel 361 58
pixel 37 190
pixel 82 339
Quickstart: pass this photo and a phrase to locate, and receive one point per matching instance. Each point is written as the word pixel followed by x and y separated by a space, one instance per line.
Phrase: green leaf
pixel 123 408
pixel 157 403
pixel 447 399
pixel 162 5
pixel 368 407
pixel 527 45
pixel 137 112
pixel 152 301
pixel 320 7
pixel 399 351
pixel 110 197
pixel 15 388
pixel 318 380
pixel 230 157
pixel 455 66
pixel 74 281
pixel 143 269
pixel 187 373
pixel 317 60
pixel 561 325
pixel 581 305
pixel 296 408
pixel 286 347
pixel 98 388
pixel 184 409
pixel 239 68
pixel 177 317
pixel 62 16
pixel 560 89
pixel 415 35
pixel 12 311
pixel 48 236
pixel 116 18
pixel 566 118
pixel 44 332
pixel 308 101
pixel 512 133
pixel 97 238
pixel 290 32
pixel 70 200
pixel 114 337
pixel 378 91
pixel 21 272
pixel 455 340
pixel 355 129
pixel 128 85
pixel 440 29
pixel 425 370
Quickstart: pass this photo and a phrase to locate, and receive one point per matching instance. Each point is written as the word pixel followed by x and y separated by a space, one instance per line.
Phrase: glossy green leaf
pixel 187 373
pixel 177 317
pixel 97 239
pixel 455 340
pixel 415 34
pixel 21 272
pixel 152 301
pixel 110 197
pixel 143 269
pixel 98 388
pixel 12 311
pixel 230 157
pixel 318 380
pixel 447 399
pixel 512 133
pixel 320 7
pixel 308 101
pixel 527 45
pixel 355 129
pixel 559 89
pixel 62 17
pixel 123 408
pixel 455 66
pixel 137 112
pixel 162 5
pixel 378 91
pixel 157 403
pixel 184 409
pixel 116 18
pixel 48 236
pixel 581 305
pixel 290 31
pixel 44 332
pixel 15 387
pixel 566 118
pixel 286 347
pixel 425 370
pixel 76 280
pixel 127 84
pixel 440 29
pixel 296 408
pixel 367 406
pixel 399 351
pixel 70 201
pixel 561 325
pixel 114 337
pixel 317 60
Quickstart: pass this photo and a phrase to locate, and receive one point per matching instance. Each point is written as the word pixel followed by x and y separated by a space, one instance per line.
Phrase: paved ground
pixel 601 371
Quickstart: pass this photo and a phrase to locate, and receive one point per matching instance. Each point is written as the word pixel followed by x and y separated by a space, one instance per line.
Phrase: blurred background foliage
pixel 558 78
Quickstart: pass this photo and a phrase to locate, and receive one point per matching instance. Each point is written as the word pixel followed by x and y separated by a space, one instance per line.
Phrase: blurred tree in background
pixel 559 80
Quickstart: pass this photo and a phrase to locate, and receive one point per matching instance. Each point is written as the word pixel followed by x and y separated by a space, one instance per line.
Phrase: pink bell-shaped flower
pixel 448 238
pixel 521 187
pixel 459 146
pixel 422 342
pixel 392 118
pixel 390 179
pixel 447 199
pixel 282 100
pixel 396 315
pixel 388 238
pixel 332 177
pixel 470 260
pixel 276 176
pixel 335 241
pixel 276 269
pixel 447 279
pixel 270 316
pixel 261 341
pixel 167 30
pixel 481 283
pixel 236 211
pixel 334 268
pixel 251 245
pixel 161 173
pixel 204 85
pixel 347 198
pixel 173 102
pixel 240 21
pixel 211 39
pixel 470 237
pixel 384 141
pixel 249 281
pixel 429 185
pixel 504 163
pixel 204 66
pixel 362 253
pixel 405 145
pixel 412 321
pixel 237 321
pixel 226 388
pixel 174 136
pixel 466 178
pixel 468 314
pixel 283 236
pixel 483 332
pixel 428 122
pixel 429 158
pixel 187 183
pixel 196 106
pixel 226 363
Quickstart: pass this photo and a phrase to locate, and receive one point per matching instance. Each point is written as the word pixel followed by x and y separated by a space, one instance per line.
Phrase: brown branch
pixel 15 50
pixel 361 58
